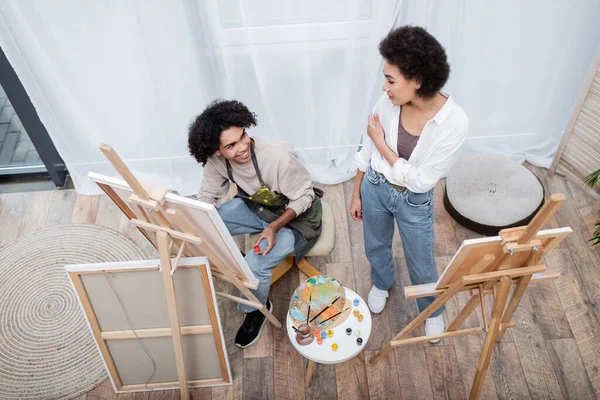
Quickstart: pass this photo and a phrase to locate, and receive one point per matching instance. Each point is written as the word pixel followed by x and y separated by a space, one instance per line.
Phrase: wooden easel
pixel 174 330
pixel 488 266
pixel 148 212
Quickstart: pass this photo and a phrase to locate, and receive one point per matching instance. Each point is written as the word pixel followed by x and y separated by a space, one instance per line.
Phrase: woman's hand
pixel 356 208
pixel 375 131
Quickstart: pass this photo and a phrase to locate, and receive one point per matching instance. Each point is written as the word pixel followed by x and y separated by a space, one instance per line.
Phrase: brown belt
pixel 397 187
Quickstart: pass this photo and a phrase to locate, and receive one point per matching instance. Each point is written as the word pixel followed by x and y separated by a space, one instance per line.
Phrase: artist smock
pixel 280 168
pixel 435 152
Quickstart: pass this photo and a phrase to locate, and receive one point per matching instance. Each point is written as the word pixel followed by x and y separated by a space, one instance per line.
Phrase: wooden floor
pixel 553 353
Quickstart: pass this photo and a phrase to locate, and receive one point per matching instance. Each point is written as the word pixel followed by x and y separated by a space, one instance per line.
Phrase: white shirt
pixel 434 154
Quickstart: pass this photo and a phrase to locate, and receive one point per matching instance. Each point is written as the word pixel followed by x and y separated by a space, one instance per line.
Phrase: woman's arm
pixel 377 135
pixel 356 203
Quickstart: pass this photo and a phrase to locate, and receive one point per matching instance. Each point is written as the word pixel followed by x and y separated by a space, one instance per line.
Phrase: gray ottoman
pixel 486 193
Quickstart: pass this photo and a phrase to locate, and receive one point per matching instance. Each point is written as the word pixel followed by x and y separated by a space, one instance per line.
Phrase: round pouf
pixel 486 193
pixel 46 348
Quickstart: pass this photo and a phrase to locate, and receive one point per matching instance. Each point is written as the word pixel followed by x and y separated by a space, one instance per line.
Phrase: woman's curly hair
pixel 419 56
pixel 220 115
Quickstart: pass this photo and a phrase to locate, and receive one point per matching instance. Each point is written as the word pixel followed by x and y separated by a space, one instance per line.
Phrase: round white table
pixel 347 346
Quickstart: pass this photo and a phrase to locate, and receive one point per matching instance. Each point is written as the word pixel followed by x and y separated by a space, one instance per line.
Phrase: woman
pixel 413 137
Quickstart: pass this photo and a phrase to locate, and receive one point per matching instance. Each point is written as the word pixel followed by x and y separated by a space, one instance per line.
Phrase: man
pixel 275 196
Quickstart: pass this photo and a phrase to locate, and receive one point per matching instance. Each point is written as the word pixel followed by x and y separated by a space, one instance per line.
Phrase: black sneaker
pixel 250 330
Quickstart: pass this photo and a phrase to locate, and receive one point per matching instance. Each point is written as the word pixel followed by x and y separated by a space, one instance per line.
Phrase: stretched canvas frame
pixel 129 309
pixel 203 217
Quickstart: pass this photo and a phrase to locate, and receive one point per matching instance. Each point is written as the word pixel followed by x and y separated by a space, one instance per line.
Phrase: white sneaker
pixel 377 299
pixel 434 326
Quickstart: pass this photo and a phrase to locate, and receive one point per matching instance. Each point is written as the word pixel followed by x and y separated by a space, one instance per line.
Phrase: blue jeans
pixel 413 212
pixel 239 220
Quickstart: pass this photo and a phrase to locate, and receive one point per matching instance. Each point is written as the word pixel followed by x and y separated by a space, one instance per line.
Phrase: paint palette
pixel 327 298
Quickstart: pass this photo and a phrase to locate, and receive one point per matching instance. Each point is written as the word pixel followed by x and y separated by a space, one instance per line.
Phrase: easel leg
pixel 309 372
pixel 419 319
pixel 513 304
pixel 464 313
pixel 164 248
pixel 490 337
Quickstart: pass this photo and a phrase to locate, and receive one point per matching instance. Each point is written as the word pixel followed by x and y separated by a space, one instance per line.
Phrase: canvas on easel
pixel 196 227
pixel 155 322
pixel 488 266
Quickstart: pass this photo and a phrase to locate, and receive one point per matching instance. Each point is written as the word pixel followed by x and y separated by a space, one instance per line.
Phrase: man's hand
pixel 269 235
pixel 375 130
pixel 356 208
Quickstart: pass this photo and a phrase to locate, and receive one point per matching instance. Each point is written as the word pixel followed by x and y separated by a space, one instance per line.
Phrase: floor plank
pixel 258 378
pixel 35 212
pixel 355 229
pixel 533 355
pixel 445 240
pixel 108 215
pixel 549 313
pixel 104 391
pixel 11 216
pixel 85 210
pixel 444 372
pixel 288 363
pixel 164 395
pixel 134 396
pixel 587 206
pixel 577 306
pixel 506 369
pixel 61 207
pixel 573 380
pixel 334 196
pixel 410 364
pixel 382 377
pixel 351 380
pixel 204 393
pixel 324 383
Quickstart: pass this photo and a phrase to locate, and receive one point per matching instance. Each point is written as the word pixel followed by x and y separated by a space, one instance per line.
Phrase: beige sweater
pixel 279 166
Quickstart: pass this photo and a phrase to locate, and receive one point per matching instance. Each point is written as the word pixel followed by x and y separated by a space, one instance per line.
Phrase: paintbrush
pixel 326 308
pixel 308 313
pixel 334 315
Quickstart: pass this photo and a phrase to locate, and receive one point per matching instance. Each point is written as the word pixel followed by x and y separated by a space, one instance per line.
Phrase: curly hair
pixel 419 56
pixel 205 131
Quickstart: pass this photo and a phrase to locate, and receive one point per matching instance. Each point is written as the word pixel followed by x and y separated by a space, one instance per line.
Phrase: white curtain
pixel 133 74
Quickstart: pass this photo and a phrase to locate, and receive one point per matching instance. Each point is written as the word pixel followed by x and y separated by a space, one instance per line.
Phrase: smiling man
pixel 275 196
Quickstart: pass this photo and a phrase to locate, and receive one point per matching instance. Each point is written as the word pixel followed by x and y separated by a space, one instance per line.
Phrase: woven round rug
pixel 46 348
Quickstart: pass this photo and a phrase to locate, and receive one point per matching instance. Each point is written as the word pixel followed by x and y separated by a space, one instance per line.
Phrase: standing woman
pixel 413 137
